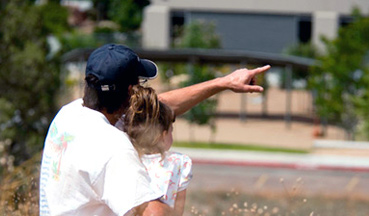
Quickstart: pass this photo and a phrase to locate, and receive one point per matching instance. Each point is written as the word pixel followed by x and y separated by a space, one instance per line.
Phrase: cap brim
pixel 149 69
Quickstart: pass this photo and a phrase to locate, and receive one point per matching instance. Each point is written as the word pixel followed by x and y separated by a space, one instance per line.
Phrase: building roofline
pixel 206 56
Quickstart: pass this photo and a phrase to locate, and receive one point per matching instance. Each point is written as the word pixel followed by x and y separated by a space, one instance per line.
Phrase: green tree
pixel 341 80
pixel 306 50
pixel 127 13
pixel 363 103
pixel 54 18
pixel 29 77
pixel 200 34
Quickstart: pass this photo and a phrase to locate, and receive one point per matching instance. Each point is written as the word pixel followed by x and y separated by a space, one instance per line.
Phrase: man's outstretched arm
pixel 183 99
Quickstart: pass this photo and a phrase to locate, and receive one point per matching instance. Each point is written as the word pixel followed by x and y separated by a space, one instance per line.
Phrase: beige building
pixel 255 25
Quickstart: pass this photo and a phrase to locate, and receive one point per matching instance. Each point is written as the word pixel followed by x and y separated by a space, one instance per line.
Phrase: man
pixel 89 167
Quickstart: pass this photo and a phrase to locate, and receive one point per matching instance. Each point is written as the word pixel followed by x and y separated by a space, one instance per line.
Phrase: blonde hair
pixel 146 119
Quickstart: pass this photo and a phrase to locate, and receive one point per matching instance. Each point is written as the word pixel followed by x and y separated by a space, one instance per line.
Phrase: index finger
pixel 259 70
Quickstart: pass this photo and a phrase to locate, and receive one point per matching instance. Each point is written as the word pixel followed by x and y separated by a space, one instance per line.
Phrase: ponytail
pixel 146 119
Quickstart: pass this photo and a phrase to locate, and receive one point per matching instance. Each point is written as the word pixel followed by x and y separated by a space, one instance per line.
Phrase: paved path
pixel 311 161
pixel 279 181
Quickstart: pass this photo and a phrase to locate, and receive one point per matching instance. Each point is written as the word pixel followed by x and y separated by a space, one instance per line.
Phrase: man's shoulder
pixel 117 136
pixel 77 103
pixel 91 126
pixel 107 137
pixel 71 107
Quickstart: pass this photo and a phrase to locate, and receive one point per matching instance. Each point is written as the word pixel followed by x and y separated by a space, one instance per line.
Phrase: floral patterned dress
pixel 169 175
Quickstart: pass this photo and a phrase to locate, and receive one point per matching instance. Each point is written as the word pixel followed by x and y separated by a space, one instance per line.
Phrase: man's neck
pixel 112 117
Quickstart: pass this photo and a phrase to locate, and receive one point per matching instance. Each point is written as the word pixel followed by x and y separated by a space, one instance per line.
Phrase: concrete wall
pixel 325 23
pixel 325 19
pixel 156 27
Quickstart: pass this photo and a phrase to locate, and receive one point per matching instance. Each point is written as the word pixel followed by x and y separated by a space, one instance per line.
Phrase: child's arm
pixel 157 208
pixel 180 203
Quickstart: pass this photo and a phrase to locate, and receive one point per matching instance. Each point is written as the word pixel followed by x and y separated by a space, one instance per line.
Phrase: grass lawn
pixel 237 147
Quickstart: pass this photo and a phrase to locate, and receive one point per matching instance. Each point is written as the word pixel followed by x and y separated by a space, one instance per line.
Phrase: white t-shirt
pixel 170 175
pixel 89 167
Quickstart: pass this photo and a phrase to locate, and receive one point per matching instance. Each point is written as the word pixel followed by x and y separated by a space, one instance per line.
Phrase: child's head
pixel 148 122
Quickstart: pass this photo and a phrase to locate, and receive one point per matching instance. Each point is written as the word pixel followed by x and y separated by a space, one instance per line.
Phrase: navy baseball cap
pixel 112 64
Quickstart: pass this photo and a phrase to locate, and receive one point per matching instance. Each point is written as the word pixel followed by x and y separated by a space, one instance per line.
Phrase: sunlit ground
pixel 235 203
pixel 19 189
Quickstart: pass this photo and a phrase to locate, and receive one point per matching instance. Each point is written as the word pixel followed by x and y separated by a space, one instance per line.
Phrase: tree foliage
pixel 54 18
pixel 341 80
pixel 200 34
pixel 306 50
pixel 127 13
pixel 29 77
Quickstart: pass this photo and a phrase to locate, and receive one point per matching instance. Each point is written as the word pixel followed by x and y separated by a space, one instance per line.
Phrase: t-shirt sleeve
pixel 186 174
pixel 126 183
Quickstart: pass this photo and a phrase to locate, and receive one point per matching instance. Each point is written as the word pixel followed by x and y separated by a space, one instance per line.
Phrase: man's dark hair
pixel 112 101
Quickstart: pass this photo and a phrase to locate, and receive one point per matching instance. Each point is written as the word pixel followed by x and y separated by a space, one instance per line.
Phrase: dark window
pixel 177 22
pixel 345 20
pixel 304 30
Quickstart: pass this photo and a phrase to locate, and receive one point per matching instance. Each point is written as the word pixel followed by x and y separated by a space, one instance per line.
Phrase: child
pixel 149 124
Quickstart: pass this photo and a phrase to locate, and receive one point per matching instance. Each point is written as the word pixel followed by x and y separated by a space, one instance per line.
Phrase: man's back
pixel 89 167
